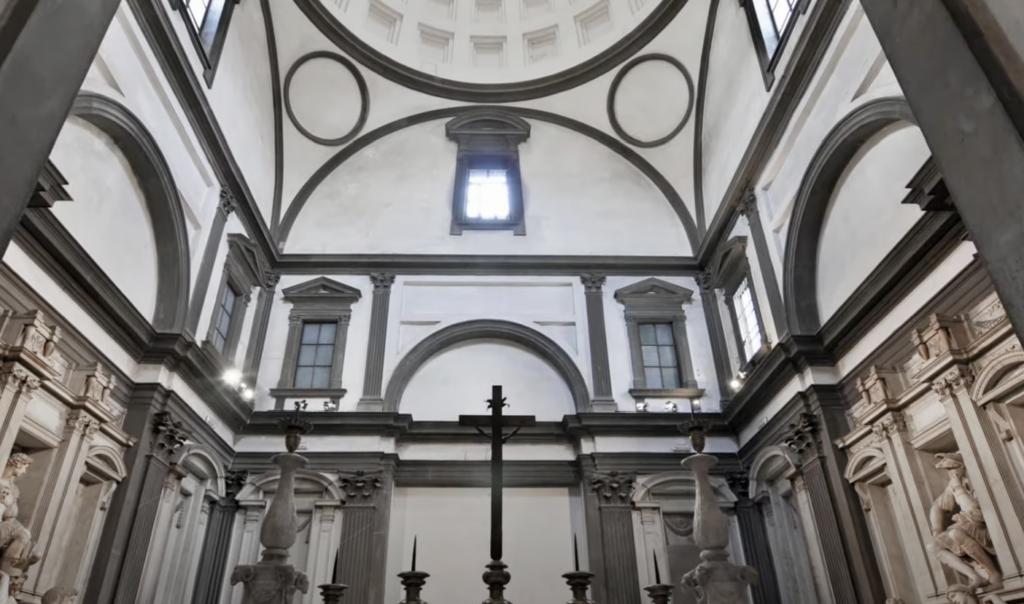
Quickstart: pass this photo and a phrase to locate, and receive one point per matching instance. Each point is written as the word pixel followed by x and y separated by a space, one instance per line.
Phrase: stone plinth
pixel 716 580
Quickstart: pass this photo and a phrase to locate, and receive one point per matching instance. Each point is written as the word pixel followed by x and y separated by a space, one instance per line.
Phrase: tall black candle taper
pixel 575 554
pixel 657 574
pixel 659 592
pixel 414 539
pixel 413 580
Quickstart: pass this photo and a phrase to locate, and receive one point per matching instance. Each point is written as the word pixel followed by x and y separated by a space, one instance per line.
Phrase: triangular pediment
pixel 249 259
pixel 654 289
pixel 322 288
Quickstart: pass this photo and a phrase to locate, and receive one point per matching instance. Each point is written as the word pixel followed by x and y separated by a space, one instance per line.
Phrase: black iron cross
pixel 497 423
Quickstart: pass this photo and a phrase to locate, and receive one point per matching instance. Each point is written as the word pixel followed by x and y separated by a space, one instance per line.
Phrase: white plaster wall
pixel 865 218
pixel 277 338
pixel 452 531
pixel 458 381
pixel 107 200
pixel 241 97
pixel 579 197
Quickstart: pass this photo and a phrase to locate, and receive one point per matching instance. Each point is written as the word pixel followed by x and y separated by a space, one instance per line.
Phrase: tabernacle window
pixel 745 318
pixel 771 22
pixel 316 355
pixel 488 193
pixel 207 25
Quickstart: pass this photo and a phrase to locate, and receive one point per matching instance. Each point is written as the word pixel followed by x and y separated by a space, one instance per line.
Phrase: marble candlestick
pixel 716 580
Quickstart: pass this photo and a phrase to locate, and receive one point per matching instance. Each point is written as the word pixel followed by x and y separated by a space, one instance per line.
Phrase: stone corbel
pixel 878 392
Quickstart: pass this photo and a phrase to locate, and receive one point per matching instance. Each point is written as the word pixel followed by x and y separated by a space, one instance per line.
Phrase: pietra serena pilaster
pixel 213 561
pixel 610 535
pixel 596 333
pixel 756 547
pixel 362 557
pixel 374 377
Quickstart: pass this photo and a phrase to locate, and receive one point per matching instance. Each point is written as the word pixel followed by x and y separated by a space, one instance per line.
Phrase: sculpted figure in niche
pixel 15 539
pixel 960 539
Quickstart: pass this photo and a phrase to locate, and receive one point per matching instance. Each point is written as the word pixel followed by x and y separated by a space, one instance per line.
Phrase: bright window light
pixel 197 10
pixel 487 195
pixel 746 318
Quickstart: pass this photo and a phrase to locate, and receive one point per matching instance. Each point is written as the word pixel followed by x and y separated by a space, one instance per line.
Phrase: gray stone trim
pixel 748 208
pixel 801 69
pixel 258 335
pixel 163 203
pixel 650 301
pixel 373 377
pixel 490 135
pixel 364 98
pixel 769 63
pixel 48 47
pixel 206 265
pixel 457 264
pixel 603 401
pixel 719 349
pixel 614 89
pixel 216 547
pixel 800 273
pixel 319 300
pixel 155 24
pixel 472 474
pixel 50 188
pixel 756 549
pixel 276 90
pixel 609 516
pixel 210 59
pixel 698 125
pixel 362 556
pixel 529 338
pixel 613 144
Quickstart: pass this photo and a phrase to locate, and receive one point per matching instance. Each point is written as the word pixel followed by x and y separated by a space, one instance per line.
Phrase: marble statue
pixel 960 539
pixel 60 595
pixel 15 539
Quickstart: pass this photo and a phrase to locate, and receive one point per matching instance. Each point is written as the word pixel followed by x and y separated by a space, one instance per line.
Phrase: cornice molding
pixel 458 264
pixel 389 68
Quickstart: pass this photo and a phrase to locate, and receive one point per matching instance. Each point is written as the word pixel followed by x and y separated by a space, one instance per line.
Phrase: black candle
pixel 414 554
pixel 657 573
pixel 334 575
pixel 575 553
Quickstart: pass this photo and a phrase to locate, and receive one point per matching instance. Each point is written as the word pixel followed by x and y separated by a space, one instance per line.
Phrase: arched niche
pixel 420 141
pixel 816 192
pixel 506 331
pixel 202 462
pixel 161 199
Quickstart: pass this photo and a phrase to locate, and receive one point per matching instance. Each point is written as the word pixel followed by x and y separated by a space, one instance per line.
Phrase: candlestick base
pixel 496 579
pixel 579 583
pixel 332 592
pixel 660 593
pixel 413 582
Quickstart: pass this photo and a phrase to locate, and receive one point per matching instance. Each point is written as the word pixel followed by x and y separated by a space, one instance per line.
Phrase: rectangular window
pixel 316 355
pixel 658 347
pixel 746 320
pixel 770 24
pixel 207 23
pixel 197 10
pixel 223 326
pixel 487 195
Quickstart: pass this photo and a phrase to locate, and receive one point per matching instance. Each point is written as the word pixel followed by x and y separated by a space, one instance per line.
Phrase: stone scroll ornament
pixel 960 538
pixel 15 539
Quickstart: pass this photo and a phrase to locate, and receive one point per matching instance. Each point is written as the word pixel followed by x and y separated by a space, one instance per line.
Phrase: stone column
pixel 362 557
pixel 51 526
pixel 748 208
pixel 213 561
pixel 374 377
pixel 756 547
pixel 613 541
pixel 974 141
pixel 226 206
pixel 596 333
pixel 988 469
pixel 46 50
pixel 848 562
pixel 132 513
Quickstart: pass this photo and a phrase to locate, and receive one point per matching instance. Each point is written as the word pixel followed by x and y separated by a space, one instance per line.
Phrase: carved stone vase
pixel 272 580
pixel 715 580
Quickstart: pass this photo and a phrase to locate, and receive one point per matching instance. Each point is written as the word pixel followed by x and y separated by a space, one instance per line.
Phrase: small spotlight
pixel 248 394
pixel 735 384
pixel 233 377
pixel 671 406
pixel 641 406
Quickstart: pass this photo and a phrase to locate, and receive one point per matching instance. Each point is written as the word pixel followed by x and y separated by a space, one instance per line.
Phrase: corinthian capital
pixel 593 283
pixel 613 488
pixel 382 282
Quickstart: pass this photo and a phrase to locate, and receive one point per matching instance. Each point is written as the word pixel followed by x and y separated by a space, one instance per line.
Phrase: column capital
pixel 361 487
pixel 890 424
pixel 705 281
pixel 613 488
pixel 227 203
pixel 960 378
pixel 592 284
pixel 18 377
pixel 748 203
pixel 382 282
pixel 802 437
pixel 168 435
pixel 270 280
pixel 234 481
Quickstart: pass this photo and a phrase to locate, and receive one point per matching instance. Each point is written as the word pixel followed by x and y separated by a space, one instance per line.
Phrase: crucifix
pixel 497 577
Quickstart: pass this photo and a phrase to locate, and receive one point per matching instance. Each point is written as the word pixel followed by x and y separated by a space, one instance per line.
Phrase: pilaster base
pixel 269 583
pixel 372 405
pixel 604 405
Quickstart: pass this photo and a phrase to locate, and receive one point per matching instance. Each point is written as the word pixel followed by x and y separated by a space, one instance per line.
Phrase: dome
pixel 491 50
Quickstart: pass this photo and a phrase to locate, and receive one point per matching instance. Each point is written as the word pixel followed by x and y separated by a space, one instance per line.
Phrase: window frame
pixel 730 286
pixel 488 139
pixel 656 301
pixel 234 328
pixel 657 345
pixel 320 300
pixel 244 270
pixel 332 367
pixel 208 39
pixel 770 62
